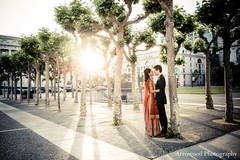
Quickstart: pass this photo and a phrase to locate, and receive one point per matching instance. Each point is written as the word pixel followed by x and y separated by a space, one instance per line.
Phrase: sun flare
pixel 92 62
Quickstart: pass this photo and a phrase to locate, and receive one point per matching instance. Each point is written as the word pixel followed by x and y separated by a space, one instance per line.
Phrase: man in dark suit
pixel 161 98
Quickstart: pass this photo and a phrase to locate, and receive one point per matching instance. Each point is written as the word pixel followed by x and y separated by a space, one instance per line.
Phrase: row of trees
pixel 107 25
pixel 46 50
pixel 113 18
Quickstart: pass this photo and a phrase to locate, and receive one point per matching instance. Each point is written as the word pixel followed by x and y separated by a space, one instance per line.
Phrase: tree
pixel 46 47
pixel 133 41
pixel 183 24
pixel 228 29
pixel 6 66
pixel 60 50
pixel 30 46
pixel 167 7
pixel 208 47
pixel 107 55
pixel 76 19
pixel 19 62
pixel 115 17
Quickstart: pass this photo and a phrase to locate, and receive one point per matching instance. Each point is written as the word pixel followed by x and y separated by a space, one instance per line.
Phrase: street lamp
pixel 193 79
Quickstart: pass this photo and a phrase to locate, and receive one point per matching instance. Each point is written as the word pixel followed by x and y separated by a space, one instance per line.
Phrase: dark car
pixel 41 89
pixel 13 90
pixel 68 89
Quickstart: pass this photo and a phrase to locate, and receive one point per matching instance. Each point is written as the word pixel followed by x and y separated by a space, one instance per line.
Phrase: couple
pixel 154 101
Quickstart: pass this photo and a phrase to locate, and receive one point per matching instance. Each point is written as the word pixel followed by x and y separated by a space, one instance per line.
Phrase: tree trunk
pixel 90 87
pixel 209 101
pixel 71 79
pixel 134 90
pixel 227 81
pixel 54 83
pixel 64 86
pixel 83 110
pixel 58 85
pixel 117 111
pixel 52 87
pixel 40 85
pixel 29 83
pixel 15 85
pixel 37 84
pixel 21 99
pixel 76 92
pixel 8 87
pixel 169 24
pixel 12 79
pixel 47 101
pixel 109 88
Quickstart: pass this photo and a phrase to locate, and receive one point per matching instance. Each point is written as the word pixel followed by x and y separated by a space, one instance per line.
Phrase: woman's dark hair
pixel 146 75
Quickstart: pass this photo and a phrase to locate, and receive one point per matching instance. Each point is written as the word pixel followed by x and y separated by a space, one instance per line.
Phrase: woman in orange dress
pixel 151 116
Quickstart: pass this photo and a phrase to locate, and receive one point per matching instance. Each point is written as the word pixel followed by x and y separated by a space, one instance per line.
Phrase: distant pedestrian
pixel 151 115
pixel 161 98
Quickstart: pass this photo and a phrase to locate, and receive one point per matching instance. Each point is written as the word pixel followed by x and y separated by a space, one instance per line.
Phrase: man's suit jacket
pixel 160 84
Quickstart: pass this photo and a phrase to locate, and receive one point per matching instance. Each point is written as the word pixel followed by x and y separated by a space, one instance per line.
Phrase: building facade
pixel 8 44
pixel 184 73
pixel 235 53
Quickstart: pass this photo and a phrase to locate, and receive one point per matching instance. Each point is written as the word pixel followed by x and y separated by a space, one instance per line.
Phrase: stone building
pixel 8 44
pixel 183 72
pixel 194 63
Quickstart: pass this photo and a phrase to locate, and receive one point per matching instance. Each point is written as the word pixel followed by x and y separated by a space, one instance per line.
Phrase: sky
pixel 26 17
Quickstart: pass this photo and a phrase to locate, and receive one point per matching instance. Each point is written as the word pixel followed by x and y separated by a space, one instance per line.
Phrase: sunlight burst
pixel 92 62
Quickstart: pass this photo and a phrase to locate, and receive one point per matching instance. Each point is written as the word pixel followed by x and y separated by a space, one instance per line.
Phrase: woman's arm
pixel 152 88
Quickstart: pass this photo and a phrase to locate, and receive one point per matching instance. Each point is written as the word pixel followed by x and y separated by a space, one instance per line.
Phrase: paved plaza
pixel 35 132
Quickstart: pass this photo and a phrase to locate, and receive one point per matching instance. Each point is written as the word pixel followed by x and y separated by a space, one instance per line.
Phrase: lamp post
pixel 193 79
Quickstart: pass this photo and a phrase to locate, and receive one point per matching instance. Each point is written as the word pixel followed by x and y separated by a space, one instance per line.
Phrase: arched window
pixel 238 55
pixel 199 61
pixel 148 64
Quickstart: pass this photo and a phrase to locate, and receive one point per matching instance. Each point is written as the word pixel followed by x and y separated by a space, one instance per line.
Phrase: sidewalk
pixel 95 138
pixel 223 147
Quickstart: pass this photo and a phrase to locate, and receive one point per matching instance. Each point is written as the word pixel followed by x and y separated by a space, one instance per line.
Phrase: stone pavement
pixel 205 136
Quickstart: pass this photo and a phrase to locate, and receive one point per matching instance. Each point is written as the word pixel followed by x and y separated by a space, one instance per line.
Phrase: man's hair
pixel 158 67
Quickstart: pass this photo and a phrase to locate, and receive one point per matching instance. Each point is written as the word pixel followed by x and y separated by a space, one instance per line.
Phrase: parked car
pixel 68 89
pixel 41 89
pixel 13 90
pixel 60 89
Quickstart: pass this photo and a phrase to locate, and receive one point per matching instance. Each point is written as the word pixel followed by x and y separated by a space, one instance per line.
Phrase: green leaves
pixel 30 45
pixel 109 8
pixel 121 42
pixel 222 16
pixel 188 45
pixel 85 24
pixel 183 22
pixel 70 16
pixel 152 6
pixel 199 45
pixel 163 56
pixel 156 22
pixel 133 58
